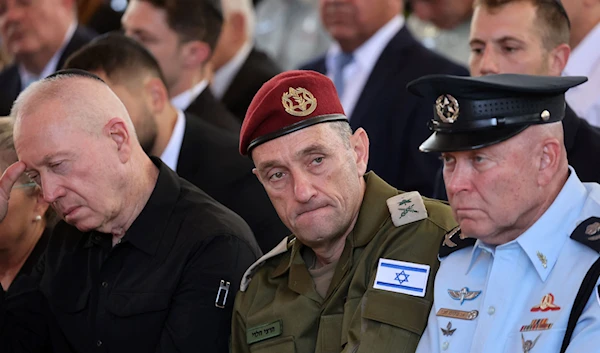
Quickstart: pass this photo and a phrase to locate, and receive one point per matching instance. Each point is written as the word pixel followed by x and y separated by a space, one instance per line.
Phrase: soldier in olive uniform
pixel 357 274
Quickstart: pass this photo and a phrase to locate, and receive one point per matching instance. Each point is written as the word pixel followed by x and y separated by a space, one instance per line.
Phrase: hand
pixel 8 179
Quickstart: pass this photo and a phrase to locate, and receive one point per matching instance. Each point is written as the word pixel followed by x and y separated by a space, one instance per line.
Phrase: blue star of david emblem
pixel 401 280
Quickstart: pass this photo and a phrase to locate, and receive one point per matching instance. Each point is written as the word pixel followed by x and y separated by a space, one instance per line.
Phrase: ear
pixel 550 161
pixel 360 144
pixel 195 53
pixel 238 24
pixel 156 93
pixel 119 133
pixel 558 59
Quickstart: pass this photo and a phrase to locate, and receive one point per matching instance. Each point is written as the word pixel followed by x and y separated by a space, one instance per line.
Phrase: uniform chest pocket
pixel 275 345
pixel 126 304
pixel 535 341
pixel 403 311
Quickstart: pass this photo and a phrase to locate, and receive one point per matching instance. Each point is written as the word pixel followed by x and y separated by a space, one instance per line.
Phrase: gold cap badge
pixel 299 101
pixel 447 109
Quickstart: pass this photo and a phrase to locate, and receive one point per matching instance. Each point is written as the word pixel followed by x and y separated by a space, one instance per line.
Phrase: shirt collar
pixel 170 155
pixel 543 241
pixel 585 56
pixel 184 99
pixel 27 77
pixel 224 76
pixel 367 54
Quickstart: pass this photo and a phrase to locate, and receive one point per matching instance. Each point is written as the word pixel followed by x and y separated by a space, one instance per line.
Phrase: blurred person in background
pixel 25 230
pixel 39 35
pixel 240 68
pixel 443 26
pixel 182 35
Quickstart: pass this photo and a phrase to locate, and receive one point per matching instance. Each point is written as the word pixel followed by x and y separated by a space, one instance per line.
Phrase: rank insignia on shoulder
pixel 455 240
pixel 588 233
pixel 406 208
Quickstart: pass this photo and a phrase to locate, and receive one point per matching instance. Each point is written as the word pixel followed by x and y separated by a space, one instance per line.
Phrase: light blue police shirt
pixel 527 286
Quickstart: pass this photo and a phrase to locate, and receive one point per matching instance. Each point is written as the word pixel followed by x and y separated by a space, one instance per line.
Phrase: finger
pixel 9 178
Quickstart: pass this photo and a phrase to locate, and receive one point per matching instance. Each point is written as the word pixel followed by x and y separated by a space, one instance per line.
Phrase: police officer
pixel 361 262
pixel 528 227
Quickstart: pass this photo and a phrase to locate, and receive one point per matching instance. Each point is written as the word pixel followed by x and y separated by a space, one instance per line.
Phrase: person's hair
pixel 8 156
pixel 343 129
pixel 120 58
pixel 193 19
pixel 552 19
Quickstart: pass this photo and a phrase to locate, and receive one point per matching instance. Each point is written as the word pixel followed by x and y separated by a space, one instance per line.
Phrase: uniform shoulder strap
pixel 454 240
pixel 282 247
pixel 588 234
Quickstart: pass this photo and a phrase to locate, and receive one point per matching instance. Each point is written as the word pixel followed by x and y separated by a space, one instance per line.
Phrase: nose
pixel 51 190
pixel 487 63
pixel 303 188
pixel 457 178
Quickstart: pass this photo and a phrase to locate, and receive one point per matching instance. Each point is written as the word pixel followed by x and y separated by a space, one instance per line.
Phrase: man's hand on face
pixel 8 179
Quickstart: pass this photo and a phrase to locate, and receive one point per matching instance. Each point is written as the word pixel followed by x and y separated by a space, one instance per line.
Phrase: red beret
pixel 289 102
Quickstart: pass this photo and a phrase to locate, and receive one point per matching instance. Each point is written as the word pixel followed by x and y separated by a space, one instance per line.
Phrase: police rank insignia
pixel 448 331
pixel 299 101
pixel 447 108
pixel 463 294
pixel 406 208
pixel 588 233
pixel 547 304
pixel 592 230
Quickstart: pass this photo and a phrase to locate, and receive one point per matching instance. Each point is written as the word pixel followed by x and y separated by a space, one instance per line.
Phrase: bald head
pixel 85 102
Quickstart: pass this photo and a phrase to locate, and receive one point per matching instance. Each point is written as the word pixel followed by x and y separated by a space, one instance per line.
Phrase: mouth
pixel 69 211
pixel 309 210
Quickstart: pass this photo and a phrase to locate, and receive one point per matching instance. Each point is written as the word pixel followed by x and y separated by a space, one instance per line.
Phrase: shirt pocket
pixel 400 318
pixel 128 304
pixel 275 345
pixel 536 341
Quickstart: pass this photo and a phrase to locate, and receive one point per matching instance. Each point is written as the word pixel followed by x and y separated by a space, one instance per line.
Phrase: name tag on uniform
pixel 263 332
pixel 402 277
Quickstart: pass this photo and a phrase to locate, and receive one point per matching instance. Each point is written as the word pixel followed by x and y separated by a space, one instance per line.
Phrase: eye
pixel 510 49
pixel 35 177
pixel 478 159
pixel 317 160
pixel 276 176
pixel 477 51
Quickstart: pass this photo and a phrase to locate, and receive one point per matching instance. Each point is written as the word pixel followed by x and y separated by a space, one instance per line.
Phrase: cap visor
pixel 465 141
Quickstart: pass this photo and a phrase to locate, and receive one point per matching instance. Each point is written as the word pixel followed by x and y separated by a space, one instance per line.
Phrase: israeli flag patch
pixel 402 277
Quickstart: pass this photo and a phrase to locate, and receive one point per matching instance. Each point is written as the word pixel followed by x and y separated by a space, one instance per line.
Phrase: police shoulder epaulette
pixel 588 233
pixel 406 208
pixel 455 240
pixel 282 247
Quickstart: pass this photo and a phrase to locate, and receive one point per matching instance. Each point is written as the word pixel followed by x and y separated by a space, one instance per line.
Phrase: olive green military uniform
pixel 281 312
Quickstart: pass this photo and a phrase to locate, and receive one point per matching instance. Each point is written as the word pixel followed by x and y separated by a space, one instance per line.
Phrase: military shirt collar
pixel 543 241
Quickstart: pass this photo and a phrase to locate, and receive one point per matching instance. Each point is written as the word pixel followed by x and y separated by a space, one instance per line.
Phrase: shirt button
pixel 104 285
pixel 99 343
pixel 491 310
pixel 445 345
pixel 97 238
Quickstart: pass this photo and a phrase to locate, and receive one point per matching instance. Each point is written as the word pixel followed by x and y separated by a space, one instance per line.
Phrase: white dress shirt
pixel 170 155
pixel 183 100
pixel 357 72
pixel 223 77
pixel 510 288
pixel 585 61
pixel 28 78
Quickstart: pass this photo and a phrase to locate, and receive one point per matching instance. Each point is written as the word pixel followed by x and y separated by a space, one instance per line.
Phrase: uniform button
pixel 99 343
pixel 97 238
pixel 104 284
pixel 491 310
pixel 445 345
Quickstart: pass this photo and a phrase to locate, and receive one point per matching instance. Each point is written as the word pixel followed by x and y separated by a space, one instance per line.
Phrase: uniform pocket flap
pixel 400 310
pixel 128 304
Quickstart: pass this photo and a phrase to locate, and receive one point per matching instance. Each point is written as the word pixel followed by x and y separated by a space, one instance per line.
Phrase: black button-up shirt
pixel 161 289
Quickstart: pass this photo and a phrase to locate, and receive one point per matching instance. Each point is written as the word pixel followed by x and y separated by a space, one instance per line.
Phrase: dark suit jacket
pixel 395 120
pixel 209 159
pixel 256 70
pixel 582 141
pixel 10 81
pixel 209 109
